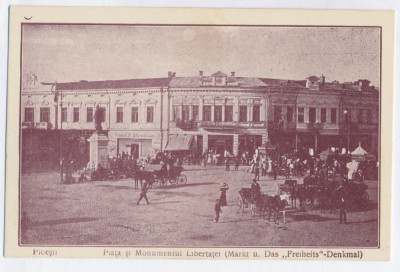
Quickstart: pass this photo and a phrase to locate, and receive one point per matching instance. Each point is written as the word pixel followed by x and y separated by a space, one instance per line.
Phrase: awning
pixel 179 142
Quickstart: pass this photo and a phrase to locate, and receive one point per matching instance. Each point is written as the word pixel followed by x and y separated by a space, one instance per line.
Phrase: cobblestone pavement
pixel 105 213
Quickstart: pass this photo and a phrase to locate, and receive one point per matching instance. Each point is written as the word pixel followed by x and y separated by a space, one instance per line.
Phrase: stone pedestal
pixel 98 150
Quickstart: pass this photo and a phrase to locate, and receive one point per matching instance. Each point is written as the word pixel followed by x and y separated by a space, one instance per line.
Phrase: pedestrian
pixel 143 193
pixel 218 210
pixel 222 198
pixel 274 170
pixel 227 168
pixel 237 163
pixel 257 172
pixel 342 203
pixel 255 189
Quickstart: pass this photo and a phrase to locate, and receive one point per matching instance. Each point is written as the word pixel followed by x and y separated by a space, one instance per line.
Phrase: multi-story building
pixel 228 114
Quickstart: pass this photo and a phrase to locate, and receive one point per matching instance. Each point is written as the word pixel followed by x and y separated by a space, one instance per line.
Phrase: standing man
pixel 218 210
pixel 237 162
pixel 256 172
pixel 255 189
pixel 143 193
pixel 342 203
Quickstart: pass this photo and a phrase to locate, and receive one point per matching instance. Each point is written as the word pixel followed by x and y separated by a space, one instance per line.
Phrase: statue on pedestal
pixel 98 119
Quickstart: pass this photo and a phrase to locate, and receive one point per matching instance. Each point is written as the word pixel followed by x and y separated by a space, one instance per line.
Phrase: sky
pixel 65 53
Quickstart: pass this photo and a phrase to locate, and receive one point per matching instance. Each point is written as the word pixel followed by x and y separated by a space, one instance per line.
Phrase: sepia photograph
pixel 199 140
pixel 199 136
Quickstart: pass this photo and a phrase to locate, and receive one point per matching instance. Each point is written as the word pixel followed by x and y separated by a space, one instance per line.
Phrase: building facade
pixel 224 113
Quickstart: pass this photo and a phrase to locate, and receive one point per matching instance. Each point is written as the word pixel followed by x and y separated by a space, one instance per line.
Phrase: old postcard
pixel 199 133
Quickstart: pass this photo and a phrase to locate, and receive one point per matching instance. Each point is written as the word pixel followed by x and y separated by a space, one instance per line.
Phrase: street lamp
pixel 347 126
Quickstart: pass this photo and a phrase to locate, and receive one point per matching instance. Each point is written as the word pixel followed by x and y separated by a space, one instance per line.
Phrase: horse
pixel 139 175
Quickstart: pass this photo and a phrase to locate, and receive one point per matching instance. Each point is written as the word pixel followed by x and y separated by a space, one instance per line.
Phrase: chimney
pixel 169 74
pixel 322 80
pixel 201 73
pixel 232 74
pixel 173 74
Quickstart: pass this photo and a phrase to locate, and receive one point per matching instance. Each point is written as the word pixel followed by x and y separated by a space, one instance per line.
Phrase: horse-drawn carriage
pixel 261 203
pixel 173 176
pixel 324 193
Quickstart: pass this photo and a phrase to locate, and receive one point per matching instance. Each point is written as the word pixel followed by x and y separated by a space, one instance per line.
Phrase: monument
pixel 98 143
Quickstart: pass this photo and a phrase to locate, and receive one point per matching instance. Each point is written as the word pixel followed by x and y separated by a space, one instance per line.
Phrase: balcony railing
pixel 192 125
pixel 38 125
pixel 186 124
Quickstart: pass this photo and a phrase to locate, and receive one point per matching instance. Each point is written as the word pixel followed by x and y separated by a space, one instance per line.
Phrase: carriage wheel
pixel 308 204
pixel 173 181
pixel 155 182
pixel 182 179
pixel 162 182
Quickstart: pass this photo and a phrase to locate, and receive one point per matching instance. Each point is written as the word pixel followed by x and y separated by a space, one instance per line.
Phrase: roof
pixel 359 151
pixel 219 74
pixel 194 82
pixel 271 82
pixel 313 78
pixel 114 84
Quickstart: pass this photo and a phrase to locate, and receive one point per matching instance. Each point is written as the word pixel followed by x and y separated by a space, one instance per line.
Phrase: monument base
pixel 98 150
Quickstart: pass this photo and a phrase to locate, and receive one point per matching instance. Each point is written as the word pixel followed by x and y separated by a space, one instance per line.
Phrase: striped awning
pixel 179 142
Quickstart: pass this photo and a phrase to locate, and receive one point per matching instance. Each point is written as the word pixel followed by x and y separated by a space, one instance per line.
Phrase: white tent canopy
pixel 359 151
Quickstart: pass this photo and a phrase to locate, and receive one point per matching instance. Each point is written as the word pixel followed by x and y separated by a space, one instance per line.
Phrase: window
pixel 120 114
pixel 29 115
pixel 150 114
pixel 300 115
pixel 323 115
pixel 135 115
pixel 312 115
pixel 176 113
pixel 217 113
pixel 195 112
pixel 45 114
pixel 228 113
pixel 242 113
pixel 185 112
pixel 333 116
pixel 256 113
pixel 89 114
pixel 64 115
pixel 360 118
pixel 76 115
pixel 277 114
pixel 206 113
pixel 289 115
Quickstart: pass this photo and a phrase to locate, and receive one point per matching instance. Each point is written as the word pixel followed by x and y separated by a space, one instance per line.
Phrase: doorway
pixel 135 151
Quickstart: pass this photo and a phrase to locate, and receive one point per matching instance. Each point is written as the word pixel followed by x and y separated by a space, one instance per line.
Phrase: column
pixel 328 115
pixel 212 112
pixel 235 144
pixel 264 138
pixel 306 115
pixel 201 102
pixel 181 111
pixel 318 115
pixel 205 142
pixel 250 112
pixel 223 111
pixel 236 109
pixel 263 110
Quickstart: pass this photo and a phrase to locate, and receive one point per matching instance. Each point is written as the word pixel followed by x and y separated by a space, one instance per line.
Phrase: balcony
pixel 186 124
pixel 213 124
pixel 282 126
pixel 38 125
